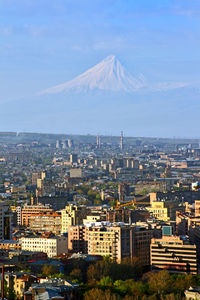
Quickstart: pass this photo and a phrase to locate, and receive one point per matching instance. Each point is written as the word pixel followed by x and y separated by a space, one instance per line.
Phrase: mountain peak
pixel 110 58
pixel 108 75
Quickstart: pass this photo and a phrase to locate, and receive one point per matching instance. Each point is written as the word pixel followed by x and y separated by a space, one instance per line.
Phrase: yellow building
pixel 72 215
pixel 159 210
pixel 19 283
pixel 107 241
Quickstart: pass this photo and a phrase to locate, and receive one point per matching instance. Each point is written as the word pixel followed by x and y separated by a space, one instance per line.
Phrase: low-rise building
pixel 52 246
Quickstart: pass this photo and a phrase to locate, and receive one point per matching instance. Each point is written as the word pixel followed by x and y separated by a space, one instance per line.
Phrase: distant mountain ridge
pixel 109 75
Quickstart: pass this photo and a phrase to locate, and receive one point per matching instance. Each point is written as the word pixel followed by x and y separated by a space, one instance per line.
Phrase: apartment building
pixel 5 222
pixel 159 210
pixel 25 213
pixel 140 243
pixel 78 239
pixel 52 246
pixel 46 222
pixel 114 240
pixel 109 241
pixel 164 210
pixel 72 215
pixel 174 254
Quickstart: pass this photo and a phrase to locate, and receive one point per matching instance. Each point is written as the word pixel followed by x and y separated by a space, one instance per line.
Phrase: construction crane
pixel 134 202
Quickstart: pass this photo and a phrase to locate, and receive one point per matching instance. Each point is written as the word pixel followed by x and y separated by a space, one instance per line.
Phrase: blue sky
pixel 45 42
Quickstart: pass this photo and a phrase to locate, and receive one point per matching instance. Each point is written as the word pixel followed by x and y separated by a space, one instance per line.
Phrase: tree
pixel 106 281
pixel 80 192
pixel 131 287
pixel 91 195
pixel 11 294
pixel 48 270
pixel 160 283
pixel 182 282
pixel 76 274
pixel 97 294
pixel 98 197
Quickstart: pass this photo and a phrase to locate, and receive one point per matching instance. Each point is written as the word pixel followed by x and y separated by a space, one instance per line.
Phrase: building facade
pixel 53 246
pixel 173 254
pixel 114 240
pixel 72 215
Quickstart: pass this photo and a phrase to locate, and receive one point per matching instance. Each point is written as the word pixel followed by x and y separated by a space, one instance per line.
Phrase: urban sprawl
pixel 99 217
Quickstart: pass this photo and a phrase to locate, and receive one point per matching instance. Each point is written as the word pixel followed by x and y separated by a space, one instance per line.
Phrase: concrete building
pixel 159 210
pixel 57 144
pixel 174 254
pixel 107 241
pixel 52 246
pixel 36 176
pixel 25 213
pixel 72 215
pixel 78 239
pixel 19 282
pixel 164 210
pixel 197 208
pixel 76 173
pixel 140 243
pixel 73 158
pixel 46 222
pixel 120 215
pixel 5 222
pixel 70 143
pixel 114 240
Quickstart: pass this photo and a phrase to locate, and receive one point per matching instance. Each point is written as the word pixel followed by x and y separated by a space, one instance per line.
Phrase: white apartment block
pixel 51 246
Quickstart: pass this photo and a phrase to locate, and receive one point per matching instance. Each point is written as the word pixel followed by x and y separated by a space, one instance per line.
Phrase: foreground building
pixel 114 240
pixel 174 254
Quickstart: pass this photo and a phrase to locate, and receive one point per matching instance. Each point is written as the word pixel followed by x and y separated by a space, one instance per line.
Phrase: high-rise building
pixel 114 240
pixel 98 141
pixel 64 145
pixel 70 143
pixel 72 215
pixel 57 144
pixel 46 222
pixel 73 158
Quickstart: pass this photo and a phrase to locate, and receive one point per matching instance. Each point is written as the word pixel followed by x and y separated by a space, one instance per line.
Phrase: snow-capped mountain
pixel 107 97
pixel 108 75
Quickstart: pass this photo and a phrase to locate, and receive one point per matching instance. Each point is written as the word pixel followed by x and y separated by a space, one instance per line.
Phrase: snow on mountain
pixel 108 75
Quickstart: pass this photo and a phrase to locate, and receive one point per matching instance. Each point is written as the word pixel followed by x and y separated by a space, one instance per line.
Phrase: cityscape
pixel 99 150
pixel 99 216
